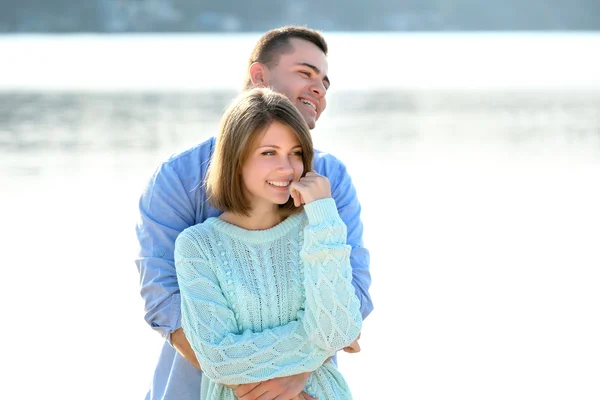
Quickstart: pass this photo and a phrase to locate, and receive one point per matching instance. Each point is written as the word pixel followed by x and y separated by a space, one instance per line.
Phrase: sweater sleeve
pixel 349 208
pixel 332 314
pixel 226 354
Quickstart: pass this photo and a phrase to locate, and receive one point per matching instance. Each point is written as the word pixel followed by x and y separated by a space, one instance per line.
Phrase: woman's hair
pixel 276 42
pixel 245 120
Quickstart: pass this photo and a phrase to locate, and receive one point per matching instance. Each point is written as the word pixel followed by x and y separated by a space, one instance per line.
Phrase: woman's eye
pixel 268 153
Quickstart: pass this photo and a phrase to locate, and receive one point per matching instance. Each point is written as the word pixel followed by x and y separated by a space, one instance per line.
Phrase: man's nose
pixel 319 89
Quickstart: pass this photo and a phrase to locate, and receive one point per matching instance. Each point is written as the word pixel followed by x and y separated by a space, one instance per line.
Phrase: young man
pixel 290 60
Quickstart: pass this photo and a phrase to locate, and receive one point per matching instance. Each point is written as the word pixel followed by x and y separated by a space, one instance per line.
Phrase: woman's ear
pixel 258 75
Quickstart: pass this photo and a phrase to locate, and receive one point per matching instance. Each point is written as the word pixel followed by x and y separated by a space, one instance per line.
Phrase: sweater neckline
pixel 256 236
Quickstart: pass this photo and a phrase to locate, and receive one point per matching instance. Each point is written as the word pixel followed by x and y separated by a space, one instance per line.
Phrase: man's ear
pixel 258 74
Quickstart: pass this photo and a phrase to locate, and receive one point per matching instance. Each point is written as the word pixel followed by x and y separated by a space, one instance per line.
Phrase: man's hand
pixel 184 348
pixel 284 388
pixel 304 396
pixel 354 346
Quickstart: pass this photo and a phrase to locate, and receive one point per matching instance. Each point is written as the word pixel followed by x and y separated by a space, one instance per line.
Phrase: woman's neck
pixel 255 221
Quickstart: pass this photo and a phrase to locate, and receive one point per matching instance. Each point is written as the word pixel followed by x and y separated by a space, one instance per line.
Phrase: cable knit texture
pixel 264 304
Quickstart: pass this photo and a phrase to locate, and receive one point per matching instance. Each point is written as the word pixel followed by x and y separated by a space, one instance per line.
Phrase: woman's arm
pixel 227 355
pixel 349 208
pixel 332 313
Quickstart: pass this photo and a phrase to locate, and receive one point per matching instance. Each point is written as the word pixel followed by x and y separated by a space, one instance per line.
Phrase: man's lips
pixel 309 103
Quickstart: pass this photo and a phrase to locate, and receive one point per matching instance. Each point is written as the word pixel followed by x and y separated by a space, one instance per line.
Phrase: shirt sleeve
pixel 349 209
pixel 165 211
pixel 332 311
pixel 227 355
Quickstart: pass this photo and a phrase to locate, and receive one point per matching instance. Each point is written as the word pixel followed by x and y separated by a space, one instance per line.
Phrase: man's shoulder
pixel 326 163
pixel 326 157
pixel 188 166
pixel 196 154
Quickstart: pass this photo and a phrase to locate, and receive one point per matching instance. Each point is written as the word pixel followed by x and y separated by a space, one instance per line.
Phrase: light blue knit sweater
pixel 263 304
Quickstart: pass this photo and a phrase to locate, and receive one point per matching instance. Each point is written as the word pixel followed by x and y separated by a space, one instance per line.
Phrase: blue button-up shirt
pixel 173 200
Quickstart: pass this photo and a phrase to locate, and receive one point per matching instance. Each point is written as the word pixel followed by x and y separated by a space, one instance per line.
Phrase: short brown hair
pixel 244 120
pixel 275 42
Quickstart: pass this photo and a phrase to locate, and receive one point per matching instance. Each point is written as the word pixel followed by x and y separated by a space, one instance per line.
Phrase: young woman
pixel 266 287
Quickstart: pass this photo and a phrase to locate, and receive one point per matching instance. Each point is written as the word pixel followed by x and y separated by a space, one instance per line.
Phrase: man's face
pixel 302 76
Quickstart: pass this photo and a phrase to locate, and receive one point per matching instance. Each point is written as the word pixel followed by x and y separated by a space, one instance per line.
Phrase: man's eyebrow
pixel 317 71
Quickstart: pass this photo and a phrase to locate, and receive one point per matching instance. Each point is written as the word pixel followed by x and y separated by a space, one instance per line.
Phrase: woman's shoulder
pixel 202 228
pixel 199 235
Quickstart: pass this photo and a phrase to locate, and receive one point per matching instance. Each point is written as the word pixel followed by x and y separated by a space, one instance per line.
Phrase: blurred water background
pixel 476 157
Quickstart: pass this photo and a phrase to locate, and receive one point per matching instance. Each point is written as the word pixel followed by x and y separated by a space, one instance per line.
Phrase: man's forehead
pixel 302 57
pixel 299 46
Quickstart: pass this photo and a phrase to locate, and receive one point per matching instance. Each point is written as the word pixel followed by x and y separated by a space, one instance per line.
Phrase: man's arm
pixel 165 211
pixel 183 347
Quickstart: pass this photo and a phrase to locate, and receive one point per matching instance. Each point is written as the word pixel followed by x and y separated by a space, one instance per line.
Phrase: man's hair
pixel 276 42
pixel 245 120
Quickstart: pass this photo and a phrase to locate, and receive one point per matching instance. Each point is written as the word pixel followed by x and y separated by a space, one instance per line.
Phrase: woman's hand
pixel 309 188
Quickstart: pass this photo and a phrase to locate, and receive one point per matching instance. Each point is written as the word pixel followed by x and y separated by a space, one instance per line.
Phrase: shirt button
pixel 225 263
pixel 222 253
pixel 219 243
pixel 228 273
pixel 229 281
